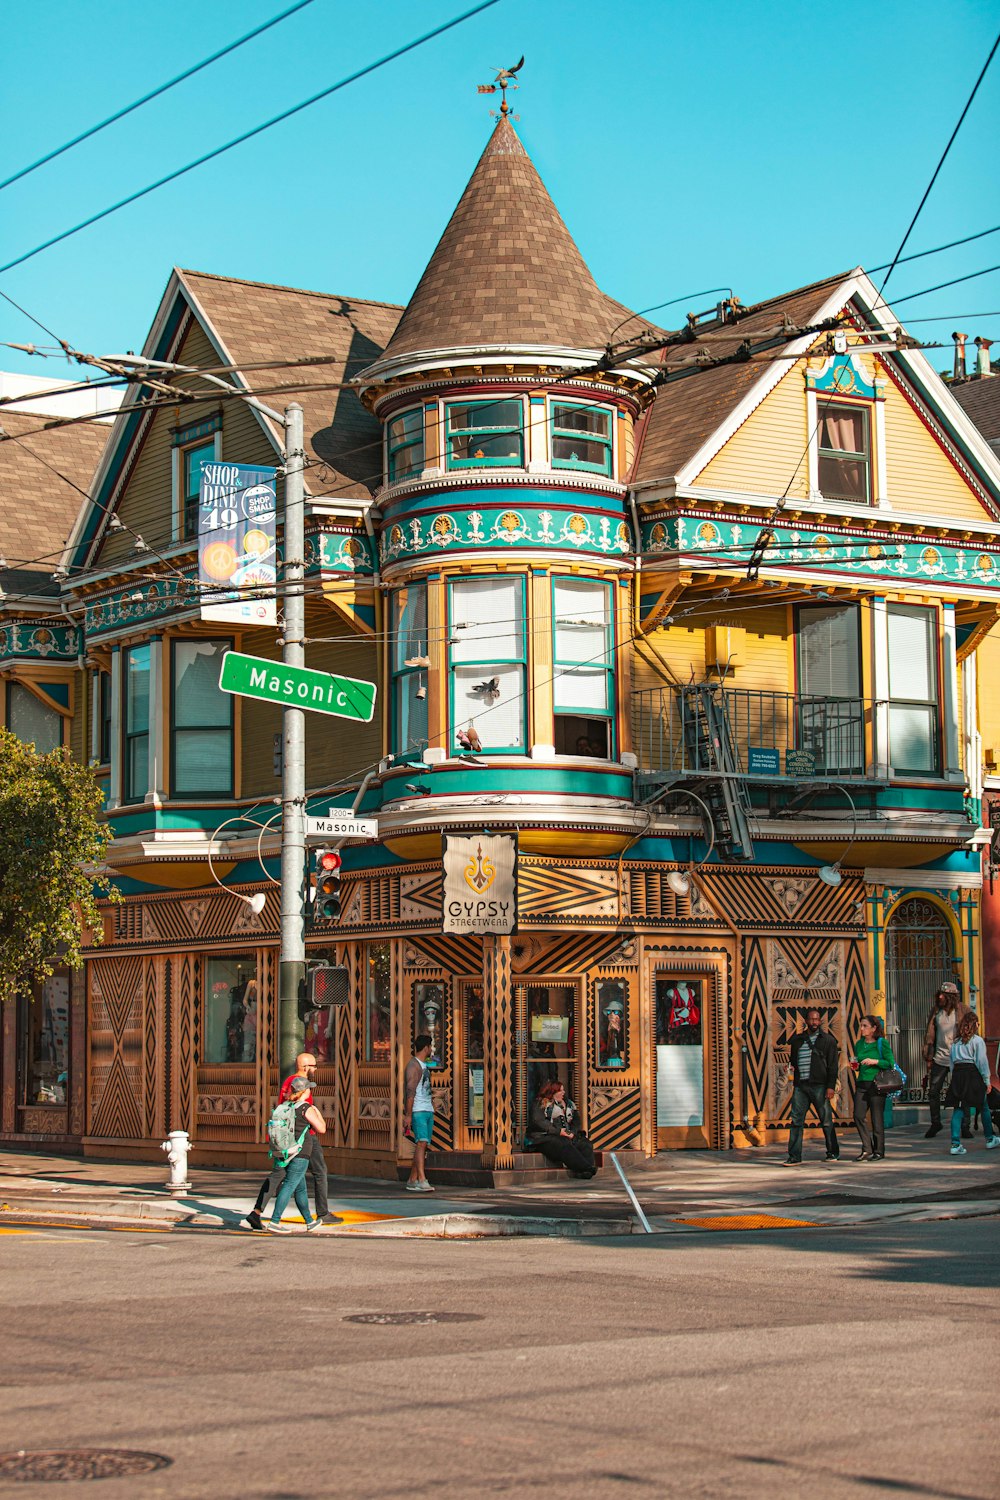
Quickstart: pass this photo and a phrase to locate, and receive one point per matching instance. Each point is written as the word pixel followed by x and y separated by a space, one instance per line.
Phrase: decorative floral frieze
pixel 34 640
pixel 507 526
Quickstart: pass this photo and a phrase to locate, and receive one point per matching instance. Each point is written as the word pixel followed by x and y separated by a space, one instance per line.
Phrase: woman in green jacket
pixel 871 1053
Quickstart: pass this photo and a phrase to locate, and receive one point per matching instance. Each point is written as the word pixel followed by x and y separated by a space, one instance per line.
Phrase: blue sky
pixel 687 146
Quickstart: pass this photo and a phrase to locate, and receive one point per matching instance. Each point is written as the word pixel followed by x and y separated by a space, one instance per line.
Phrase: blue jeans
pixel 294 1186
pixel 814 1094
pixel 963 1114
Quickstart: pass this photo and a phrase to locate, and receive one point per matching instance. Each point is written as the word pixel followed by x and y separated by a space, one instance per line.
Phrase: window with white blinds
pixel 914 741
pixel 201 722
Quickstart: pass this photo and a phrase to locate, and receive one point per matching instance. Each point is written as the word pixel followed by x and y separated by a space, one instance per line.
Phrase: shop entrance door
pixel 680 1034
pixel 547 1040
pixel 918 958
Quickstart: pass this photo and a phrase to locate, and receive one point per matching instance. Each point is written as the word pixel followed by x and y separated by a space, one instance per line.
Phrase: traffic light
pixel 324 985
pixel 326 903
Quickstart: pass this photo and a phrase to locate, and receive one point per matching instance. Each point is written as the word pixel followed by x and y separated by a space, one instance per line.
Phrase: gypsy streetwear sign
pixel 236 543
pixel 301 687
pixel 480 883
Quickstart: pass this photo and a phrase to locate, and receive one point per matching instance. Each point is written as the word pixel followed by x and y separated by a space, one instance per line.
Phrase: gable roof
pixel 42 474
pixel 687 412
pixel 506 270
pixel 980 400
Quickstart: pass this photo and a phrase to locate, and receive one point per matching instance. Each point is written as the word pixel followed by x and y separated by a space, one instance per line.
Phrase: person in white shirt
pixel 970 1083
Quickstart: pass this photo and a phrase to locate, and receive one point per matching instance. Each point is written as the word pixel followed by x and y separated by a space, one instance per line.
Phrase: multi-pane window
pixel 135 734
pixel 581 437
pixel 34 722
pixel 487 661
pixel 844 437
pixel 232 1009
pixel 485 432
pixel 409 663
pixel 191 462
pixel 201 721
pixel 405 445
pixel 830 708
pixel 583 689
pixel 913 689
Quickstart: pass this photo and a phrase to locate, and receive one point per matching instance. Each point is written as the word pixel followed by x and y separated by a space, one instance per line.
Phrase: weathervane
pixel 503 82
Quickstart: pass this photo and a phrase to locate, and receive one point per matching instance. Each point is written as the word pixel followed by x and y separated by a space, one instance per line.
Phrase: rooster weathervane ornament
pixel 503 82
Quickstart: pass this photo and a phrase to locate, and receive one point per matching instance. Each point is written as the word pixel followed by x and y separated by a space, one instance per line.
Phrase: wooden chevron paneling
pixel 553 891
pixel 615 1118
pixel 211 916
pixel 786 900
pixel 499 1027
pixel 754 1023
pixel 116 1046
pixel 454 955
pixel 420 895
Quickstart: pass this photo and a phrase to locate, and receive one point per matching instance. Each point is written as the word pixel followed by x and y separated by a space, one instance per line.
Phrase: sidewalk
pixel 680 1192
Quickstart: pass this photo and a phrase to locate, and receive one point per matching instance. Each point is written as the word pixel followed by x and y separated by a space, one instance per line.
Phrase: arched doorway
pixel 919 949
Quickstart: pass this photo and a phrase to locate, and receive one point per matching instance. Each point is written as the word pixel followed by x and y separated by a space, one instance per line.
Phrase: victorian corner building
pixel 680 642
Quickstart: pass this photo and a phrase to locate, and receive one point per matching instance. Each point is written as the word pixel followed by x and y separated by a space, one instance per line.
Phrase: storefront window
pixel 473 1023
pixel 612 1024
pixel 44 1030
pixel 680 1090
pixel 231 1009
pixel 551 1016
pixel 429 1015
pixel 378 1003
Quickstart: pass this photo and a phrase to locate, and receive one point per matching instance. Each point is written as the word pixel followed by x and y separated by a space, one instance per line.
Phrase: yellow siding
pixel 920 477
pixel 988 667
pixel 768 448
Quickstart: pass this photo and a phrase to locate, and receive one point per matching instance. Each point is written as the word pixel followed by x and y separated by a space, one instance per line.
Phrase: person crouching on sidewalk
pixel 814 1066
pixel 308 1122
pixel 970 1083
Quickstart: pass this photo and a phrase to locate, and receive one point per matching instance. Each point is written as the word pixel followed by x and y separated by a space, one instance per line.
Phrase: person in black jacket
pixel 814 1065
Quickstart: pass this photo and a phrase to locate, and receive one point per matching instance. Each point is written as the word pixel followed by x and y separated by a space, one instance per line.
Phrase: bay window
pixel 830 708
pixel 481 433
pixel 581 437
pixel 405 445
pixel 32 721
pixel 409 668
pixel 914 747
pixel 136 723
pixel 487 661
pixel 583 688
pixel 201 721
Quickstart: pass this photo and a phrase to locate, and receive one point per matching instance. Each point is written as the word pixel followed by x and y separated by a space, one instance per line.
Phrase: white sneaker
pixel 959 1151
pixel 425 1186
pixel 993 1143
pixel 414 1187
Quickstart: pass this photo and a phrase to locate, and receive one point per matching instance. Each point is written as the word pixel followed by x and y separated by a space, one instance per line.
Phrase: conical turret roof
pixel 506 271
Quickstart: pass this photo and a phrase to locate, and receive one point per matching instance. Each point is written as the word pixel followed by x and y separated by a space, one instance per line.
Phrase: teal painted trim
pixel 333 553
pixel 511 517
pixel 802 548
pixel 891 798
pixel 463 780
pixel 39 641
pixel 843 378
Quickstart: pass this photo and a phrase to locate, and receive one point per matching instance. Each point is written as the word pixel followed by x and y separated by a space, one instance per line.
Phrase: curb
pixel 486 1227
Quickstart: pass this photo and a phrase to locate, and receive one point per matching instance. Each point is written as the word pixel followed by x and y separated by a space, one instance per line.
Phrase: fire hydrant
pixel 177 1146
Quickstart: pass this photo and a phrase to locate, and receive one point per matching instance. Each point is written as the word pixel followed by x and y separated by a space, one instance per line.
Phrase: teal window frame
pixel 483 665
pixel 410 437
pixel 488 430
pixel 563 666
pixel 198 453
pixel 409 641
pixel 133 736
pixel 568 434
pixel 927 710
pixel 225 725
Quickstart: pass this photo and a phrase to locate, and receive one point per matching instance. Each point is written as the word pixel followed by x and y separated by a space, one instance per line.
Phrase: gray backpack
pixel 281 1134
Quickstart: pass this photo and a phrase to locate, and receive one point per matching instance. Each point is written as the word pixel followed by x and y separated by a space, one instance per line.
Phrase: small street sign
pixel 341 826
pixel 300 687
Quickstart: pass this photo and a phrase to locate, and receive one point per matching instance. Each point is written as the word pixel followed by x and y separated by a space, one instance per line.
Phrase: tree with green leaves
pixel 52 843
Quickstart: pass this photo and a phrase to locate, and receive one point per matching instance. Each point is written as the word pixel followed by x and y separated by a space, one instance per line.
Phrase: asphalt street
pixel 835 1363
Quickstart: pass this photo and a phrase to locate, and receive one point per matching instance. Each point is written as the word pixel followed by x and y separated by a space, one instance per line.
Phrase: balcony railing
pixel 709 730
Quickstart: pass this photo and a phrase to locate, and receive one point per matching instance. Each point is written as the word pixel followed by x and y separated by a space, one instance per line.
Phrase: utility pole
pixel 292 964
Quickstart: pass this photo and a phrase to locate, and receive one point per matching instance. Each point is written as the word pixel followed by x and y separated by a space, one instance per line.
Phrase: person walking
pixel 942 1028
pixel 305 1067
pixel 872 1053
pixel 555 1131
pixel 813 1066
pixel 308 1123
pixel 970 1084
pixel 418 1111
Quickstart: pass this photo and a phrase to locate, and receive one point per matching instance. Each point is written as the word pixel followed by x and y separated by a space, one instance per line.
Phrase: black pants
pixel 804 1095
pixel 317 1171
pixel 576 1155
pixel 939 1072
pixel 867 1102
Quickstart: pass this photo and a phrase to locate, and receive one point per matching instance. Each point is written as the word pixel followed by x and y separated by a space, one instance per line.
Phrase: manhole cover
pixel 414 1317
pixel 68 1464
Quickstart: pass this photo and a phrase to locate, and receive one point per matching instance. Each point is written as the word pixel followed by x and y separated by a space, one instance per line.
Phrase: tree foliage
pixel 51 839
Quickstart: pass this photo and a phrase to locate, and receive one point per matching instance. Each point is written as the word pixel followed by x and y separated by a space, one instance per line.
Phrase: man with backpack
pixel 305 1067
pixel 288 1129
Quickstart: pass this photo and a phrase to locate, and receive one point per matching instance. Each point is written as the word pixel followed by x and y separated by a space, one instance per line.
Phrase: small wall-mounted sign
pixel 763 762
pixel 800 763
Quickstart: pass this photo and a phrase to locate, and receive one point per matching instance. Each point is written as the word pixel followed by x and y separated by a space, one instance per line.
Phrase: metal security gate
pixel 918 957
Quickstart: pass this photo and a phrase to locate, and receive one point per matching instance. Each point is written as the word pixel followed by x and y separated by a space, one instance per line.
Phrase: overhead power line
pixel 247 135
pixel 967 239
pixel 934 175
pixel 898 302
pixel 153 94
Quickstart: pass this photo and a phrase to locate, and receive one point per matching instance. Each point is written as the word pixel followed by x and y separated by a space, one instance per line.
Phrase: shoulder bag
pixel 888 1080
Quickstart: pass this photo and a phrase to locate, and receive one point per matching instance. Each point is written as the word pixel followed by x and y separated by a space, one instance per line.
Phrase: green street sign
pixel 298 687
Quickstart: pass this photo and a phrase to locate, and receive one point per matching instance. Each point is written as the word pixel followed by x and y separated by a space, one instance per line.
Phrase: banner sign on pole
pixel 480 883
pixel 237 513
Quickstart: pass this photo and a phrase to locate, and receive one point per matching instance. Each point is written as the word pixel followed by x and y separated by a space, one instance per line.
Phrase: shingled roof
pixel 687 411
pixel 506 271
pixel 258 324
pixel 42 472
